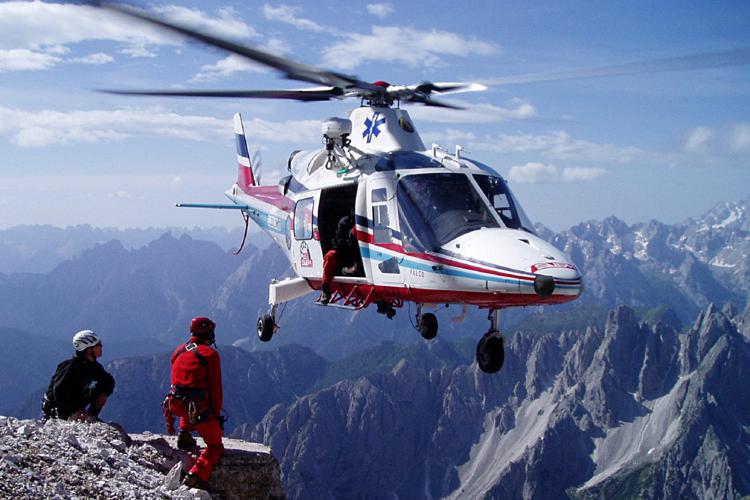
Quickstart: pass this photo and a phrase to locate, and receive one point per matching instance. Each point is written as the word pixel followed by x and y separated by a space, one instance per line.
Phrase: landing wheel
pixel 266 325
pixel 491 352
pixel 428 326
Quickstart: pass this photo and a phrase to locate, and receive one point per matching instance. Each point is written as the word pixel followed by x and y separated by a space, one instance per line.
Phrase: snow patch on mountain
pixel 494 451
pixel 642 439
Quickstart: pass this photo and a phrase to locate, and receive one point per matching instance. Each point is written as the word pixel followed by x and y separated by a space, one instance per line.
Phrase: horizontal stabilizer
pixel 211 205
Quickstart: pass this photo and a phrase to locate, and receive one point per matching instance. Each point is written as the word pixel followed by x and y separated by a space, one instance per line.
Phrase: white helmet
pixel 85 339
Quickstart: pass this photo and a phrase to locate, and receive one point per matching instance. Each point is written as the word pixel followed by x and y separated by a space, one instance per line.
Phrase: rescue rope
pixel 246 217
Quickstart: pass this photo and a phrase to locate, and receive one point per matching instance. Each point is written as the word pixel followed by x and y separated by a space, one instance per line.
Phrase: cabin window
pixel 379 195
pixel 303 219
pixel 380 218
pixel 380 231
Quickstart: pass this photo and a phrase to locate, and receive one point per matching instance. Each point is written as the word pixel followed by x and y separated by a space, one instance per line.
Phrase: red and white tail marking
pixel 245 177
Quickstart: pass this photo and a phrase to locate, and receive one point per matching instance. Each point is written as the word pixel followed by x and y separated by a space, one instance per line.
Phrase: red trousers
pixel 211 433
pixel 330 264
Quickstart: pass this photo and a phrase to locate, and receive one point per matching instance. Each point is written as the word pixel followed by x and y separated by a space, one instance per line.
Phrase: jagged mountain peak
pixel 595 410
pixel 726 215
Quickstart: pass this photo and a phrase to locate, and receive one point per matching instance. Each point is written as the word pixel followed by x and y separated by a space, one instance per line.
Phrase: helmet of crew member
pixel 85 339
pixel 203 328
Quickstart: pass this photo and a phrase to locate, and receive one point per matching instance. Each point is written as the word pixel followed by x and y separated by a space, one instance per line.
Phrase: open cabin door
pixel 384 257
pixel 307 255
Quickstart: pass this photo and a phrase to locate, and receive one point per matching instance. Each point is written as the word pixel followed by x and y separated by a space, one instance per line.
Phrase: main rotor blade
pixel 735 57
pixel 291 69
pixel 323 94
pixel 448 87
pixel 430 102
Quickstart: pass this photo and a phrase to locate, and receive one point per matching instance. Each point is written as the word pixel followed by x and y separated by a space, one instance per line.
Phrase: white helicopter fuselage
pixel 432 227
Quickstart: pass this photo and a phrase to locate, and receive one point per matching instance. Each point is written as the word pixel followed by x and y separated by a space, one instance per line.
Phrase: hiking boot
pixel 185 441
pixel 193 481
pixel 325 294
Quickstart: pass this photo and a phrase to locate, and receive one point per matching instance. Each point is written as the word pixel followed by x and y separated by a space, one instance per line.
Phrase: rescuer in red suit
pixel 344 247
pixel 196 398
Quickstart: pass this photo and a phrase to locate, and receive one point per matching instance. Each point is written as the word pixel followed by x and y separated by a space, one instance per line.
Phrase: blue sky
pixel 664 145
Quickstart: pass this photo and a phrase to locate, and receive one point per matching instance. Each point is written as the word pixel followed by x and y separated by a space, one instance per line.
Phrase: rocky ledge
pixel 61 460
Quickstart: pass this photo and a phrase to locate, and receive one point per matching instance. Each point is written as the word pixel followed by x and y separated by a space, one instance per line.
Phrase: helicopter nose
pixel 522 251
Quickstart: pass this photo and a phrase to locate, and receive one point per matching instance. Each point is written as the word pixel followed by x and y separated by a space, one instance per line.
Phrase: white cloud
pixel 404 45
pixel 532 173
pixel 98 58
pixel 26 60
pixel 720 144
pixel 31 129
pixel 139 50
pixel 699 139
pixel 571 174
pixel 276 46
pixel 227 23
pixel 557 145
pixel 236 64
pixel 43 128
pixel 381 10
pixel 289 15
pixel 226 67
pixel 540 173
pixel 290 131
pixel 739 140
pixel 56 49
pixel 46 29
pixel 473 113
pixel 35 24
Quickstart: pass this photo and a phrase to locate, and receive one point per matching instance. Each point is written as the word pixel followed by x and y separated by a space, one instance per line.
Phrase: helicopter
pixel 430 226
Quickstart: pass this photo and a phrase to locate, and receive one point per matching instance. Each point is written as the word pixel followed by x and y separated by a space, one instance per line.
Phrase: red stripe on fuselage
pixel 367 237
pixel 419 295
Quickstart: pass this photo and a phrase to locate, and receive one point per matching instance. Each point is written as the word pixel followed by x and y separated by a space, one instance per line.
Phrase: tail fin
pixel 245 177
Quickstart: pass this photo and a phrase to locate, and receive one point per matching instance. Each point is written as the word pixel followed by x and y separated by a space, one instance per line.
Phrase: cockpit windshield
pixel 504 203
pixel 437 208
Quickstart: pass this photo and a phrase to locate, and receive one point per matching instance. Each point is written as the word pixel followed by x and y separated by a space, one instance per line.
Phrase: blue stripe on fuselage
pixel 446 271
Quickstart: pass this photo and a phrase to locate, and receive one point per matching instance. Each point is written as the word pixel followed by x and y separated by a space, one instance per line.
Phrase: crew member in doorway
pixel 344 252
pixel 80 385
pixel 196 397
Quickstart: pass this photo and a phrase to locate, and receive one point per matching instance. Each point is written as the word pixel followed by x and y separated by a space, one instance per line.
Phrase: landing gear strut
pixel 427 324
pixel 267 325
pixel 491 348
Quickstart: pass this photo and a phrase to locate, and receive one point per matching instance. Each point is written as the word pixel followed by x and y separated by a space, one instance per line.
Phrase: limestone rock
pixel 246 470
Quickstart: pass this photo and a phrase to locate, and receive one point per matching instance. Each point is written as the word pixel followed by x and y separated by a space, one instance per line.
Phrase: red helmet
pixel 203 327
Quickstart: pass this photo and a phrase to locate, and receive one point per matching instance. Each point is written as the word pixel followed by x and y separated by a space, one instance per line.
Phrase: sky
pixel 662 145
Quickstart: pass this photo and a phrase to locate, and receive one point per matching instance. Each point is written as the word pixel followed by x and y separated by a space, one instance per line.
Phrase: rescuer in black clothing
pixel 80 386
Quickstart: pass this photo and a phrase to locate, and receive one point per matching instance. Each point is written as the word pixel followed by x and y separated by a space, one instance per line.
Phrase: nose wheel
pixel 491 347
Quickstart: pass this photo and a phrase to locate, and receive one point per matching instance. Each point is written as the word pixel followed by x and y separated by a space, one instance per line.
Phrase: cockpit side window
pixel 502 200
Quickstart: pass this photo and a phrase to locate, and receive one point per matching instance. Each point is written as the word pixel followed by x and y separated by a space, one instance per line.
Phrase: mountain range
pixel 635 410
pixel 634 391
pixel 152 291
pixel 632 408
